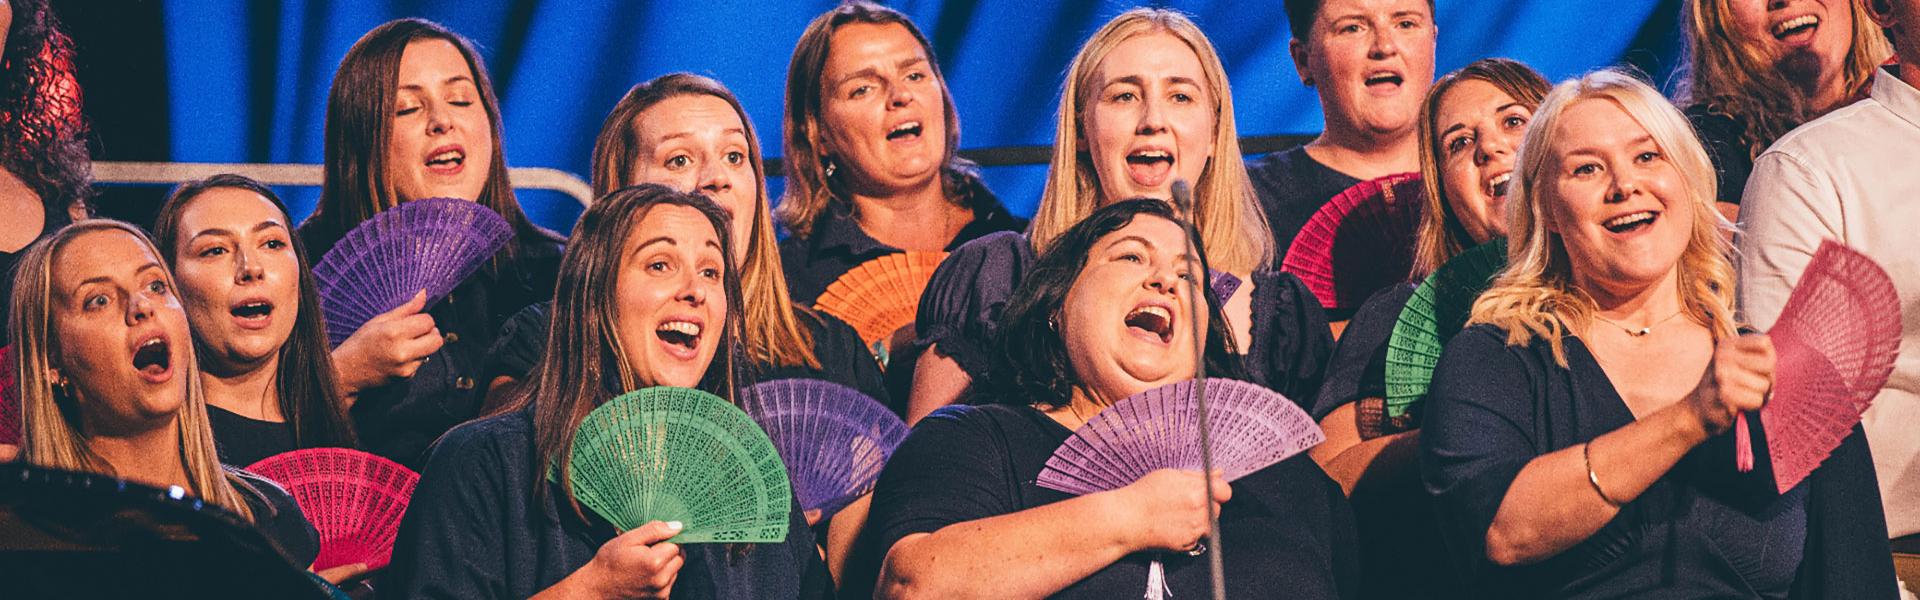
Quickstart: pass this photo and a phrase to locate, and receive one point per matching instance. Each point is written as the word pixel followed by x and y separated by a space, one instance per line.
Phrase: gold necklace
pixel 1643 331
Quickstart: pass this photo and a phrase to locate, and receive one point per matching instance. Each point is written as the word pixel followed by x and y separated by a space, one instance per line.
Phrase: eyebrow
pixel 875 71
pixel 687 134
pixel 150 265
pixel 1183 256
pixel 263 226
pixel 1643 139
pixel 449 81
pixel 1139 81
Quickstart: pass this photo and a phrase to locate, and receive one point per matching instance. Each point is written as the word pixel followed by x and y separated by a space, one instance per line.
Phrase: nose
pixel 899 95
pixel 1152 118
pixel 1489 146
pixel 139 309
pixel 1624 187
pixel 693 288
pixel 714 178
pixel 437 120
pixel 246 270
pixel 1383 45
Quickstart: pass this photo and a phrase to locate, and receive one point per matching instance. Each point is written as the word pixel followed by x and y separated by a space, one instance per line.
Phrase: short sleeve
pixel 960 308
pixel 1789 210
pixel 522 339
pixel 1291 339
pixel 450 543
pixel 1721 135
pixel 1357 368
pixel 1478 434
pixel 951 469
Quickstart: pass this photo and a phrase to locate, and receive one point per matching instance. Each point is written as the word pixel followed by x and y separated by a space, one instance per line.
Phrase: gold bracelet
pixel 1586 454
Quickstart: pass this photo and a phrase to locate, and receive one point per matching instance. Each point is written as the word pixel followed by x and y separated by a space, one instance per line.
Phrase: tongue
pixel 1149 172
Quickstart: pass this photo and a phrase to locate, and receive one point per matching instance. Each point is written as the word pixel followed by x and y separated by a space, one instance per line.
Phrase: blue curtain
pixel 248 80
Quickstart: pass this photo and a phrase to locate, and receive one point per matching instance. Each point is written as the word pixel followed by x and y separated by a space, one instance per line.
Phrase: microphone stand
pixel 1183 209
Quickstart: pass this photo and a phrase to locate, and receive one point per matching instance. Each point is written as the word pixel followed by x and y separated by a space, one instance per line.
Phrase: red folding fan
pixel 1359 242
pixel 354 498
pixel 1835 344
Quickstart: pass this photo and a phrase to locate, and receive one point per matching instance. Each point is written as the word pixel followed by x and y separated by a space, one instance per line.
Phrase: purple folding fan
pixel 1252 428
pixel 430 244
pixel 1224 284
pixel 833 438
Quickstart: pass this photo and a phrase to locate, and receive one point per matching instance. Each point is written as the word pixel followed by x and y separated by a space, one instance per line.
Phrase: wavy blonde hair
pixel 1535 295
pixel 1440 235
pixel 52 432
pixel 1731 75
pixel 1232 225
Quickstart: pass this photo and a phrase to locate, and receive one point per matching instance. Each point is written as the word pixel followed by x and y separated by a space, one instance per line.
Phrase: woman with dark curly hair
pixel 44 170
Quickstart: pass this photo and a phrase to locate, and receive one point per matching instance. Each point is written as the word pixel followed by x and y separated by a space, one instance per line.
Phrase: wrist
pixel 1119 514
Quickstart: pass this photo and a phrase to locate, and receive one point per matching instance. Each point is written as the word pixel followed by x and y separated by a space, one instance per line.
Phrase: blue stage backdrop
pixel 248 80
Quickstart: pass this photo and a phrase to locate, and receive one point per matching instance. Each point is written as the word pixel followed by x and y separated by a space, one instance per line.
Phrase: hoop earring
pixel 831 167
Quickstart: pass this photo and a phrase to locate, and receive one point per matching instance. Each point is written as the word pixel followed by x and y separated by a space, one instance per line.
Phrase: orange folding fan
pixel 880 296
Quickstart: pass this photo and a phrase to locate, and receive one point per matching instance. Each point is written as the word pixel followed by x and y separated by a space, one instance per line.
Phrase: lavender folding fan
pixel 430 244
pixel 1224 284
pixel 1252 428
pixel 833 438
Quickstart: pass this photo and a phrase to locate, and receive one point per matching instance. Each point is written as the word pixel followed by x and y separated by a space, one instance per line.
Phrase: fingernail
pixel 674 525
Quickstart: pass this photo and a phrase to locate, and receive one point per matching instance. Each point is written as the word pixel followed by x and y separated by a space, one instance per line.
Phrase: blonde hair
pixel 1440 235
pixel 1731 74
pixel 1232 225
pixel 52 433
pixel 772 327
pixel 1535 295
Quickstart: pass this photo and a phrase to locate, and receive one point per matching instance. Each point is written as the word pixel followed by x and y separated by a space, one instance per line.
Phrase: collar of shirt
pixel 837 230
pixel 1894 93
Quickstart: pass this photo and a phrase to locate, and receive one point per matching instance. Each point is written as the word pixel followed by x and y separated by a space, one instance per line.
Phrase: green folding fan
pixel 678 454
pixel 1437 310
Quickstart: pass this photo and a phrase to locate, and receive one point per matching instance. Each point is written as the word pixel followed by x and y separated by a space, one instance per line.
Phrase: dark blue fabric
pixel 837 244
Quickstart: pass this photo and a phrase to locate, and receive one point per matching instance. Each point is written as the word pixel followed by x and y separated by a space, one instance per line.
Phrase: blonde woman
pixel 109 383
pixel 1756 69
pixel 1576 437
pixel 1146 102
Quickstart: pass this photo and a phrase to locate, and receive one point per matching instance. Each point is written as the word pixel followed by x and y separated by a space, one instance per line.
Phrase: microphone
pixel 1183 207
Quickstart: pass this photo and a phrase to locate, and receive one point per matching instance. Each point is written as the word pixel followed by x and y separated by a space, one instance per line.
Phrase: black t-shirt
pixel 53 221
pixel 472 530
pixel 400 419
pixel 1703 530
pixel 837 244
pixel 1720 134
pixel 1292 186
pixel 243 441
pixel 1287 531
pixel 1358 367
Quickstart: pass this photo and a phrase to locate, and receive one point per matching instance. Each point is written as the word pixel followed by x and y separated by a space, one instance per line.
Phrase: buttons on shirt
pixel 452 337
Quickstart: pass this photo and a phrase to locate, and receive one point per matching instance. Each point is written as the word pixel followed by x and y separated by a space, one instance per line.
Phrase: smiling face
pixel 1125 322
pixel 697 143
pixel 1803 38
pixel 1619 203
pixel 1480 129
pixel 442 142
pixel 671 296
pixel 238 276
pixel 122 335
pixel 1148 117
pixel 1371 61
pixel 883 111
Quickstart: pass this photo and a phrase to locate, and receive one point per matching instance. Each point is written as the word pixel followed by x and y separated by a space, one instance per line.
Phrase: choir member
pixel 44 168
pixel 255 312
pixel 487 522
pixel 1576 437
pixel 957 511
pixel 872 151
pixel 412 115
pixel 1146 103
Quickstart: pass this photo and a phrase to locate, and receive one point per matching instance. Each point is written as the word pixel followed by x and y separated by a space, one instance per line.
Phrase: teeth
pixel 1499 179
pixel 682 327
pixel 151 343
pixel 906 126
pixel 1791 24
pixel 449 155
pixel 1151 310
pixel 1628 219
pixel 1153 154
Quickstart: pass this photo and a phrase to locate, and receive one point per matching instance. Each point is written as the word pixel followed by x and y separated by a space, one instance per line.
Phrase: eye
pixel 917 76
pixel 460 103
pixel 1408 24
pixel 404 111
pixel 1124 97
pixel 1183 98
pixel 1132 257
pixel 1514 121
pixel 275 244
pixel 859 91
pixel 1646 157
pixel 1458 143
pixel 679 161
pixel 1188 277
pixel 736 157
pixel 711 273
pixel 213 251
pixel 1349 28
pixel 95 301
pixel 157 286
pixel 1586 169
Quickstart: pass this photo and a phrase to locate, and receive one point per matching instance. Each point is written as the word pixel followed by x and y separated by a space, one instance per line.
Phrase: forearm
pixel 937 381
pixel 1379 459
pixel 1027 554
pixel 1552 504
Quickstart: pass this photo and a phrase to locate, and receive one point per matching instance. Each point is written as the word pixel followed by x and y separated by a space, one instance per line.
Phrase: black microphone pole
pixel 1196 304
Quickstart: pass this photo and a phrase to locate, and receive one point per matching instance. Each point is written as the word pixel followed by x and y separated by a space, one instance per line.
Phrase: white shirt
pixel 1852 176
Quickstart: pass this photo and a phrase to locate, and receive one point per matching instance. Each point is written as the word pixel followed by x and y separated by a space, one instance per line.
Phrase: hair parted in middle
pixel 1440 235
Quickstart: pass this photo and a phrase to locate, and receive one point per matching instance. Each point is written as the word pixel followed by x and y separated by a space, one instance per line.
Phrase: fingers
pixel 813 517
pixel 1744 367
pixel 412 306
pixel 1222 491
pixel 652 533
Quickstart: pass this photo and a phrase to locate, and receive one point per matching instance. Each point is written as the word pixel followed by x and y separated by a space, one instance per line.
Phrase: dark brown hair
pixel 309 395
pixel 1441 236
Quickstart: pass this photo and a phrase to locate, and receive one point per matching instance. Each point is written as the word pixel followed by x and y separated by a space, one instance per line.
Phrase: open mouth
pixel 1797 28
pixel 909 130
pixel 447 159
pixel 259 309
pixel 1497 186
pixel 679 334
pixel 153 358
pixel 1149 166
pixel 1152 320
pixel 1384 81
pixel 1631 222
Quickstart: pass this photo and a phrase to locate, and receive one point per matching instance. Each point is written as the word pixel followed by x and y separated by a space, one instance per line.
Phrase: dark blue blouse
pixel 1292 186
pixel 837 244
pixel 1703 530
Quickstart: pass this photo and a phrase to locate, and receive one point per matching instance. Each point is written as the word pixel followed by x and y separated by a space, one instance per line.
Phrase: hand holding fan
pixel 833 438
pixel 1834 343
pixel 1438 309
pixel 353 498
pixel 678 454
pixel 880 296
pixel 1359 242
pixel 430 244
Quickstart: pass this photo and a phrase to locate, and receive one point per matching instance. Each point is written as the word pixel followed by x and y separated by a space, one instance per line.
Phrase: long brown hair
pixel 52 431
pixel 774 335
pixel 1440 235
pixel 309 395
pixel 809 190
pixel 359 126
pixel 585 364
pixel 1731 75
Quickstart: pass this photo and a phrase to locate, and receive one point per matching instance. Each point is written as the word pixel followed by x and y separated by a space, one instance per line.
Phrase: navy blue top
pixel 960 312
pixel 243 441
pixel 473 531
pixel 400 419
pixel 837 244
pixel 1292 186
pixel 1721 134
pixel 1357 369
pixel 1703 530
pixel 1287 530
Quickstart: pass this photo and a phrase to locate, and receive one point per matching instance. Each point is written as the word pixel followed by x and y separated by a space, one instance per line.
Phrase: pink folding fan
pixel 1359 242
pixel 354 498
